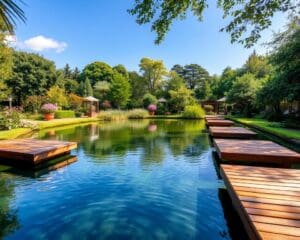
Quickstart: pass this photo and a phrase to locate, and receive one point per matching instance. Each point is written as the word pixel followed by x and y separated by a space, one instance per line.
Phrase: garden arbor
pixel 91 104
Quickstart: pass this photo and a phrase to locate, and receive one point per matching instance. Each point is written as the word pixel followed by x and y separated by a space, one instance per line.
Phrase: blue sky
pixel 82 31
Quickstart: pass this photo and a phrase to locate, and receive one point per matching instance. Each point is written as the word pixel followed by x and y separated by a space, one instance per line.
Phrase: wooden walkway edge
pixel 267 200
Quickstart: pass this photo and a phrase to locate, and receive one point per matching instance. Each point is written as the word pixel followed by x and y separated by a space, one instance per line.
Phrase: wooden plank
pixel 219 122
pixel 255 151
pixel 271 208
pixel 33 151
pixel 231 132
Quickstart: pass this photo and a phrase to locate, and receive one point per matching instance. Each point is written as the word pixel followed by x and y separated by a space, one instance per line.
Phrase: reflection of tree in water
pixel 153 152
pixel 8 217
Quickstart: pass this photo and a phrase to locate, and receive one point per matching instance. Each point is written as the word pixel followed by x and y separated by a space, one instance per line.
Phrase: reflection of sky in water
pixel 132 180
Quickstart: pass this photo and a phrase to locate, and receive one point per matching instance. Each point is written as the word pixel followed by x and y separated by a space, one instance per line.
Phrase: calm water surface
pixel 132 180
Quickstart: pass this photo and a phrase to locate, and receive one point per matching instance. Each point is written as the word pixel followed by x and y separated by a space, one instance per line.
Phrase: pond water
pixel 132 180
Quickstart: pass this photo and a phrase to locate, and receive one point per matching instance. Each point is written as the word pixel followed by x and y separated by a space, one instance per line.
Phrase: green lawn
pixel 39 125
pixel 271 127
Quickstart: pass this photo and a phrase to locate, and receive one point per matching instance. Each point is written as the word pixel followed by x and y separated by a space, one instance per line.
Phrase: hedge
pixel 64 114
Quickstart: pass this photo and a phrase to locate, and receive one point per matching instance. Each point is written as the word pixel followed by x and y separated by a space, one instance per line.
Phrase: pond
pixel 132 180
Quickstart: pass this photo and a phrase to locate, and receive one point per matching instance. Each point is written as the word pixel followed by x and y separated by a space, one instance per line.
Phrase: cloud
pixel 38 43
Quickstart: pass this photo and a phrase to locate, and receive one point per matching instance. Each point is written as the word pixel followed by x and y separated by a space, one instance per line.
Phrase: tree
pixel 203 93
pixel 174 81
pixel 180 98
pixel 88 90
pixel 224 83
pixel 10 12
pixel 5 57
pixel 149 99
pixel 57 95
pixel 243 93
pixel 97 71
pixel 75 74
pixel 67 71
pixel 138 89
pixel 153 71
pixel 31 75
pixel 246 17
pixel 101 90
pixel 257 65
pixel 193 74
pixel 119 93
pixel 122 70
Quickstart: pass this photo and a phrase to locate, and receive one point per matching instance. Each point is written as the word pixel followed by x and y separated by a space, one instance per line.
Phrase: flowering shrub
pixel 10 118
pixel 152 108
pixel 48 108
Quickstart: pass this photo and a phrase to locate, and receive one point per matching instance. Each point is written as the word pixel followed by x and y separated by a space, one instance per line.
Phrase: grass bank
pixel 39 125
pixel 274 128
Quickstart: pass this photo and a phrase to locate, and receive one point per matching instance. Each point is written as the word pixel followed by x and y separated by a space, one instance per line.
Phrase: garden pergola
pixel 92 105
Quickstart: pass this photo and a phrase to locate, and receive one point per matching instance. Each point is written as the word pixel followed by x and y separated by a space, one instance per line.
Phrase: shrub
pixel 149 99
pixel 193 112
pixel 64 114
pixel 106 105
pixel 208 108
pixel 75 101
pixel 137 114
pixel 48 108
pixel 112 115
pixel 33 103
pixel 10 118
pixel 152 108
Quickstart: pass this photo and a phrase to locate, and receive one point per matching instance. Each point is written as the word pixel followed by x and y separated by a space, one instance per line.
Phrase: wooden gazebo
pixel 92 105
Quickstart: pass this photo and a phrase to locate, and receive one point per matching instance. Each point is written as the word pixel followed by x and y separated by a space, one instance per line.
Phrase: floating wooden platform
pixel 231 132
pixel 255 151
pixel 33 151
pixel 267 200
pixel 219 122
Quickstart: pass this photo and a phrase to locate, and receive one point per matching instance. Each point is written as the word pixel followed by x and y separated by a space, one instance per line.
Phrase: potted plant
pixel 48 109
pixel 152 108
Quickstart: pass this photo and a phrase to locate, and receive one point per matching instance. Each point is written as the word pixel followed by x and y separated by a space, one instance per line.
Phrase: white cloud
pixel 38 43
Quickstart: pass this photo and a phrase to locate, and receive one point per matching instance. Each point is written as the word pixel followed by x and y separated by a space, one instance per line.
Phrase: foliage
pixel 152 108
pixel 57 96
pixel 138 89
pixel 208 108
pixel 31 75
pixel 34 103
pixel 180 98
pixel 4 91
pixel 119 93
pixel 5 57
pixel 193 74
pixel 97 71
pixel 246 17
pixel 101 90
pixel 193 112
pixel 64 114
pixel 122 70
pixel 86 88
pixel 174 81
pixel 75 101
pixel 137 114
pixel 10 11
pixel 153 71
pixel 112 115
pixel 10 118
pixel 48 108
pixel 243 93
pixel 106 105
pixel 204 92
pixel 149 99
pixel 259 66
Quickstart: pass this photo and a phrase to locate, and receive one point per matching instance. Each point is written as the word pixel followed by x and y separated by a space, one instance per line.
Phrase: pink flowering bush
pixel 152 108
pixel 10 118
pixel 48 108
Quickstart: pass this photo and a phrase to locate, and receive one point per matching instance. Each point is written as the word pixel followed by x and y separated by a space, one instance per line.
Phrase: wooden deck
pixel 33 151
pixel 219 122
pixel 267 200
pixel 255 151
pixel 214 117
pixel 231 132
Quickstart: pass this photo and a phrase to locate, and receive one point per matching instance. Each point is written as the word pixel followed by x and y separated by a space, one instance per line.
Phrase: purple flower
pixel 48 108
pixel 152 108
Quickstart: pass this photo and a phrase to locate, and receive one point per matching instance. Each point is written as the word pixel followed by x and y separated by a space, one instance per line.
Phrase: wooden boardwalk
pixel 267 200
pixel 219 122
pixel 231 132
pixel 255 151
pixel 33 151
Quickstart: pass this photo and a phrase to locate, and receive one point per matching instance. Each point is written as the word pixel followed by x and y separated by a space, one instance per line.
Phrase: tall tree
pixel 153 71
pixel 122 70
pixel 138 89
pixel 67 71
pixel 76 74
pixel 119 93
pixel 247 17
pixel 97 71
pixel 31 75
pixel 257 65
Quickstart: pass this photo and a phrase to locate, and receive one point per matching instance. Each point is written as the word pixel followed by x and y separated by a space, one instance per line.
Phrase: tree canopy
pixel 247 17
pixel 97 71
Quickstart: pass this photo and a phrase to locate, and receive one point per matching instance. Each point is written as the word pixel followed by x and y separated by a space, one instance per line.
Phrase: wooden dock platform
pixel 33 151
pixel 231 132
pixel 219 122
pixel 258 151
pixel 266 199
pixel 214 117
